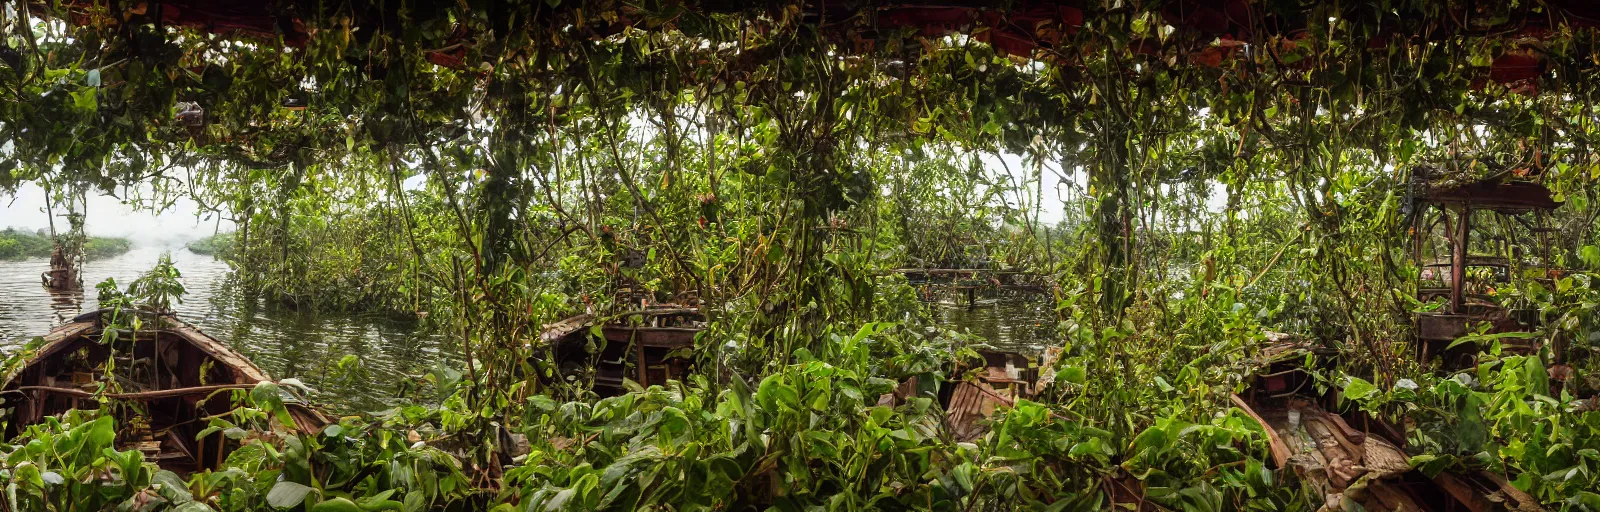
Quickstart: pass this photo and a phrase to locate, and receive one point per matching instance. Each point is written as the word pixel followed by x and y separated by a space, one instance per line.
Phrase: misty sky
pixel 107 216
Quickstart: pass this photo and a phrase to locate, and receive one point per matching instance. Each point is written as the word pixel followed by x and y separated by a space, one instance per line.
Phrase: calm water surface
pixel 1024 326
pixel 283 342
pixel 308 346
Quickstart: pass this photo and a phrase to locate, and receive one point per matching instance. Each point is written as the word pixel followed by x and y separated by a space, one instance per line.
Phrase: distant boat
pixel 648 346
pixel 169 369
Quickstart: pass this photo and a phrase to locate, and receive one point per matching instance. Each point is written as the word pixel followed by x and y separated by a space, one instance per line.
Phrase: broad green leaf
pixel 1356 388
pixel 336 505
pixel 1073 375
pixel 287 494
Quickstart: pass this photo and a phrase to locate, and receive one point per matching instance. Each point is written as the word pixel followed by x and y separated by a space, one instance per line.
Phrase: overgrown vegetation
pixel 219 245
pixel 497 168
pixel 18 245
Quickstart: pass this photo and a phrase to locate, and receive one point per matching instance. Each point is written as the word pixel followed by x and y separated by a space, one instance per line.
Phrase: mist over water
pixel 110 217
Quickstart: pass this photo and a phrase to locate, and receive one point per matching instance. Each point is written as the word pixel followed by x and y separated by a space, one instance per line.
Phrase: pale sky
pixel 107 216
pixel 110 217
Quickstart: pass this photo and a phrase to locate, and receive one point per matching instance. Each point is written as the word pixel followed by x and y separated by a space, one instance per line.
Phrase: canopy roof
pixel 1497 195
pixel 1027 28
pixel 130 92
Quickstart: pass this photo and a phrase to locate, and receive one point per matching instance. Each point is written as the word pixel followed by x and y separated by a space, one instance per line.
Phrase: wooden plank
pixel 659 337
pixel 640 365
pixel 1355 436
pixel 241 365
pixel 1517 499
pixel 1391 498
pixel 1463 493
pixel 144 395
pixel 1342 467
pixel 557 331
pixel 1357 453
pixel 1384 460
pixel 1280 451
pixel 1458 257
pixel 54 341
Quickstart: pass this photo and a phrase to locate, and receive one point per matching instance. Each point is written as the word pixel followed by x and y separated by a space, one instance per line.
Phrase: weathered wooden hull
pixel 170 369
pixel 1351 457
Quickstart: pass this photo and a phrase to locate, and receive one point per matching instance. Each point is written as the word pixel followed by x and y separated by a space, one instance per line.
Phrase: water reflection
pixel 65 303
pixel 1023 326
pixel 285 343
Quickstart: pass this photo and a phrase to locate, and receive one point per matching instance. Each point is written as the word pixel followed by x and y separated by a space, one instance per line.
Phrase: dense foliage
pixel 16 245
pixel 219 245
pixel 496 166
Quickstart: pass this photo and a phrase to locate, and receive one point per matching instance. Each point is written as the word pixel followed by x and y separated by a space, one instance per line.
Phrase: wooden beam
pixel 1463 493
pixel 1280 451
pixel 145 395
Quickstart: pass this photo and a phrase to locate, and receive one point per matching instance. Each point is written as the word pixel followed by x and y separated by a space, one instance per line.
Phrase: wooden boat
pixel 998 380
pixel 168 371
pixel 1351 456
pixel 649 346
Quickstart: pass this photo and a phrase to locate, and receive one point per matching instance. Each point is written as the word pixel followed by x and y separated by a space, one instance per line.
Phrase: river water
pixel 288 343
pixel 285 343
pixel 1026 326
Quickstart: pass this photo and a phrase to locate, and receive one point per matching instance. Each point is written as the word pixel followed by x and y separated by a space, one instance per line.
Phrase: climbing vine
pixel 491 167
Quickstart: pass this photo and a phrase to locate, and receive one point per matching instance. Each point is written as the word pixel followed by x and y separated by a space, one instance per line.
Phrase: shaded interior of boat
pixel 649 346
pixel 1353 458
pixel 165 381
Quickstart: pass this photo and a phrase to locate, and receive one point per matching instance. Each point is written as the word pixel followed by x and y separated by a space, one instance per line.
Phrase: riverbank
pixel 20 245
pixel 219 245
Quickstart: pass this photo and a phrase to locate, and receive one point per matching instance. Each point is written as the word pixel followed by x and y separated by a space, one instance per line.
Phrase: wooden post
pixel 1458 262
pixel 644 378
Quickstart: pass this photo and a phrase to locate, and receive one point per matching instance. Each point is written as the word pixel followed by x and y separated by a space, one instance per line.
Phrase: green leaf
pixel 1471 432
pixel 27 472
pixel 85 100
pixel 1538 377
pixel 265 395
pixel 288 494
pixel 1356 388
pixel 1590 254
pixel 415 502
pixel 1073 374
pixel 1431 465
pixel 336 505
pixel 172 487
pixel 103 433
pixel 1586 500
pixel 963 476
